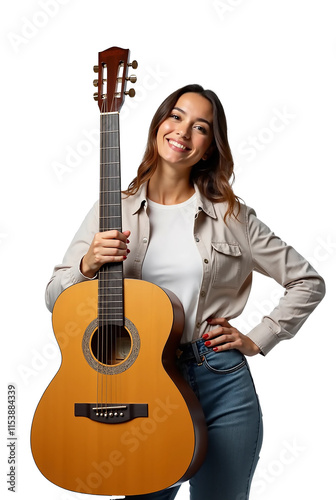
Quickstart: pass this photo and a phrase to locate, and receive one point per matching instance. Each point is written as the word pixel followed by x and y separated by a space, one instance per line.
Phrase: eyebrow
pixel 197 119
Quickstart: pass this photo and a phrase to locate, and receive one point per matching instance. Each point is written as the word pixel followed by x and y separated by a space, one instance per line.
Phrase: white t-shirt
pixel 172 259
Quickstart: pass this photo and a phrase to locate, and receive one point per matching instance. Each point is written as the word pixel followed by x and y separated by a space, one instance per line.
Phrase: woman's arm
pixel 68 272
pixel 88 251
pixel 304 287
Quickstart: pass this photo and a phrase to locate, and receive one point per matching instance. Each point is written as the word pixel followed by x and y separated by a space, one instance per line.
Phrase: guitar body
pixel 128 428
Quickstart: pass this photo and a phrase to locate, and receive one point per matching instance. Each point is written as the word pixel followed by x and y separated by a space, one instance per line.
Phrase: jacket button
pixel 206 261
pixel 197 240
pixel 203 293
pixel 145 240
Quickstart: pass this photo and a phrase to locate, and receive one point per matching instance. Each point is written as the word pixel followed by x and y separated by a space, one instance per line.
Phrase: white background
pixel 272 64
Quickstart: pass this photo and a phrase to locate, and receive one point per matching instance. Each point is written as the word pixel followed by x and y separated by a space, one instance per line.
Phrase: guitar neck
pixel 110 288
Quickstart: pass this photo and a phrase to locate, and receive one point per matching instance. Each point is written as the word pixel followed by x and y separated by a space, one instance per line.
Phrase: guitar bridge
pixel 111 413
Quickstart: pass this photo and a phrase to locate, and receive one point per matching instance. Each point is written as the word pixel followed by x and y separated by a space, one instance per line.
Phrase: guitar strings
pixel 114 188
pixel 107 312
pixel 109 309
pixel 102 351
pixel 109 331
pixel 105 283
pixel 100 312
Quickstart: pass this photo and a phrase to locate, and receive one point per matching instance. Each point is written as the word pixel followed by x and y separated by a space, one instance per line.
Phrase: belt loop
pixel 199 360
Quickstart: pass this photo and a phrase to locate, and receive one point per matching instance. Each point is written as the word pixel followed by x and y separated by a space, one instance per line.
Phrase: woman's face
pixel 186 135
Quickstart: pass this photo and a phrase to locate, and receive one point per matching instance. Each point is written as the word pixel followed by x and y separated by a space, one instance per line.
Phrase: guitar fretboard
pixel 110 288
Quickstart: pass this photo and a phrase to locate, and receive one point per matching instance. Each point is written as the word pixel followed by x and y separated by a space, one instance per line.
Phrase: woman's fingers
pixel 106 247
pixel 224 337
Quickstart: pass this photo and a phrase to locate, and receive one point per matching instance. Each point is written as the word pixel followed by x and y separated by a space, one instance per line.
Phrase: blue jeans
pixel 225 388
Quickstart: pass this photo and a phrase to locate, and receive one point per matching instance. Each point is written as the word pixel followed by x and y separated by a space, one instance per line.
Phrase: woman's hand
pixel 108 246
pixel 225 337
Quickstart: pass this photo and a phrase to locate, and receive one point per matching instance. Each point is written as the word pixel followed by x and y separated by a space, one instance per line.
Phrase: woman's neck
pixel 169 190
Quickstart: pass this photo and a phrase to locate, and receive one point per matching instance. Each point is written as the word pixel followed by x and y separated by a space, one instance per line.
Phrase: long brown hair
pixel 212 175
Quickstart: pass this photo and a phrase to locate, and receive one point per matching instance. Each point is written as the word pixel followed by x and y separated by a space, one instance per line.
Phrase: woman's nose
pixel 183 132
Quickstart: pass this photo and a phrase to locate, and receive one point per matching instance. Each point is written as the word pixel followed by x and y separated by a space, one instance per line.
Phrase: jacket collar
pixel 139 201
pixel 204 204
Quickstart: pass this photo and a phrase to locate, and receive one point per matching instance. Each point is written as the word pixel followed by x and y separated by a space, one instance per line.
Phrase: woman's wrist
pixel 85 269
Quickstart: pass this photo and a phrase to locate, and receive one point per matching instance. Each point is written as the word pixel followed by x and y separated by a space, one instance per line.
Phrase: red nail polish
pixel 207 343
pixel 215 349
pixel 205 336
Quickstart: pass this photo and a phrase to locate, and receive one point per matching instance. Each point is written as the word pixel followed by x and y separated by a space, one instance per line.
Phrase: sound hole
pixel 111 344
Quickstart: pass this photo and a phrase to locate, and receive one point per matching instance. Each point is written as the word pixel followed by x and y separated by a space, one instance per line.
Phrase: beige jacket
pixel 230 253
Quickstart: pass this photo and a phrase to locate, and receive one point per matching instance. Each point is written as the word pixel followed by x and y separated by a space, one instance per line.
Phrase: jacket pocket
pixel 227 259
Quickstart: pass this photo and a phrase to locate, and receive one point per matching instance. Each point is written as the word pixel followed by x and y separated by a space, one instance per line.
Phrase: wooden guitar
pixel 118 418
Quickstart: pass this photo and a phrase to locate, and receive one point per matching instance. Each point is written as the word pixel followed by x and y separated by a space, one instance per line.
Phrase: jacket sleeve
pixel 68 273
pixel 304 287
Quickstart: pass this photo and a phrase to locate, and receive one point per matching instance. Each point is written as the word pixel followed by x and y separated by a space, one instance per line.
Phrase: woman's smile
pixel 176 145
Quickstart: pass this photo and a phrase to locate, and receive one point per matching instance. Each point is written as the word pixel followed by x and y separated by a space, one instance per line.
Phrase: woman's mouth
pixel 178 145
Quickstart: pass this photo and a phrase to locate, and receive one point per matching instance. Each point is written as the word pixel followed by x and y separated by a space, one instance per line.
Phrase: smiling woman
pixel 185 230
pixel 213 171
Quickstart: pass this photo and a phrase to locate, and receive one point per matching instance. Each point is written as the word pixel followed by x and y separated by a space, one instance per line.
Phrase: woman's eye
pixel 175 117
pixel 201 129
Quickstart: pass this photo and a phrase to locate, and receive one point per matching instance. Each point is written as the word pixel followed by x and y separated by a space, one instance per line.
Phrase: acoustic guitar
pixel 117 418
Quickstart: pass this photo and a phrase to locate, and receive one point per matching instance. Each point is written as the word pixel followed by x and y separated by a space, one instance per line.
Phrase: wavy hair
pixel 212 175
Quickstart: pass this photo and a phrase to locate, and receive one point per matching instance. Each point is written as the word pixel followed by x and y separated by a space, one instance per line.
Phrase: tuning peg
pixel 96 82
pixel 133 64
pixel 130 92
pixel 96 69
pixel 132 78
pixel 95 96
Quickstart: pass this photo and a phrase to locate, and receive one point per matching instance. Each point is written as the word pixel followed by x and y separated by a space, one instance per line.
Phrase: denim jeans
pixel 225 388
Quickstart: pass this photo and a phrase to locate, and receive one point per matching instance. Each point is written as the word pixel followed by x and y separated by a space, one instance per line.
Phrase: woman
pixel 188 232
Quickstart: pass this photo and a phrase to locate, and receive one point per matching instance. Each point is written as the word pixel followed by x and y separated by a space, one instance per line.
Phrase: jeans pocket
pixel 224 362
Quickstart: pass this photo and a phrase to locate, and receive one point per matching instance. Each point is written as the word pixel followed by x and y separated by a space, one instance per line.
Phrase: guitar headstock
pixel 112 72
